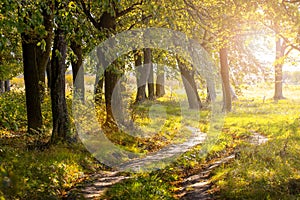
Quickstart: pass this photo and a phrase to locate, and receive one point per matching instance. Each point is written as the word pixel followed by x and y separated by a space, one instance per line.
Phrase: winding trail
pixel 165 154
pixel 195 186
pixel 198 184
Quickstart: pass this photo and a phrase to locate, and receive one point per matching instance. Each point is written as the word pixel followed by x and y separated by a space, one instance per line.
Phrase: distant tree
pixel 188 79
pixel 225 78
pixel 148 64
pixel 141 77
pixel 106 22
pixel 282 17
pixel 160 81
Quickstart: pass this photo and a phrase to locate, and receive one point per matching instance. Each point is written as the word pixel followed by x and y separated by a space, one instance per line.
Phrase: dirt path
pixel 195 186
pixel 198 184
pixel 165 154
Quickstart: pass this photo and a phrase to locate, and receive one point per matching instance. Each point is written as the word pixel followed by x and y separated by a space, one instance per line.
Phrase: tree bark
pixel 31 79
pixel 43 55
pixel 111 80
pixel 148 65
pixel 99 82
pixel 59 107
pixel 7 85
pixel 141 78
pixel 280 48
pixel 160 81
pixel 78 71
pixel 225 80
pixel 189 83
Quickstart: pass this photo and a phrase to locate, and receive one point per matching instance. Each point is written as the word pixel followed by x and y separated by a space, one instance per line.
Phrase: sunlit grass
pixel 269 171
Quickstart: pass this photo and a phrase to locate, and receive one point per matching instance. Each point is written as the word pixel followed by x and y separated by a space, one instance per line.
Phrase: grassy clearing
pixel 269 171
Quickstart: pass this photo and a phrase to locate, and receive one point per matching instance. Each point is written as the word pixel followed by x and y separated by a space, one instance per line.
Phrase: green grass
pixel 269 171
pixel 42 174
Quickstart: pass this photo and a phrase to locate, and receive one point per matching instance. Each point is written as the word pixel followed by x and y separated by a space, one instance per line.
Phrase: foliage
pixel 13 111
pixel 142 186
pixel 42 174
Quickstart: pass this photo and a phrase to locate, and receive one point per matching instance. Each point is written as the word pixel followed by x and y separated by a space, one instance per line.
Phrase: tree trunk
pixel 99 82
pixel 149 67
pixel 111 80
pixel 7 85
pixel 78 71
pixel 43 55
pixel 160 81
pixel 141 78
pixel 189 83
pixel 59 107
pixel 280 48
pixel 225 80
pixel 48 71
pixel 31 79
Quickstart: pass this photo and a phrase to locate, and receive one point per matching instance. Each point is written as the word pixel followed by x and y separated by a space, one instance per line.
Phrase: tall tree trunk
pixel 99 82
pixel 111 80
pixel 280 48
pixel 43 55
pixel 189 85
pixel 31 79
pixel 149 66
pixel 7 85
pixel 78 71
pixel 160 81
pixel 225 80
pixel 141 77
pixel 59 107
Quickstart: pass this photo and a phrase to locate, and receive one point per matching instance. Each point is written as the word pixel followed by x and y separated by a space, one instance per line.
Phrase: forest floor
pixel 195 185
pixel 233 168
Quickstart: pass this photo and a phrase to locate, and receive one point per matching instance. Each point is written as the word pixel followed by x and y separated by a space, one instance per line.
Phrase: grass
pixel 42 174
pixel 269 171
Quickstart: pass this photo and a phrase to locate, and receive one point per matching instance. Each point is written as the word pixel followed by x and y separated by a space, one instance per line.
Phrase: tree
pixel 60 115
pixel 106 22
pixel 78 70
pixel 160 81
pixel 35 29
pixel 282 17
pixel 141 77
pixel 189 83
pixel 149 66
pixel 225 79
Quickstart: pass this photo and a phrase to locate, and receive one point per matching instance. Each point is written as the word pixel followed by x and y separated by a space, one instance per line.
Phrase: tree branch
pixel 143 19
pixel 127 10
pixel 87 12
